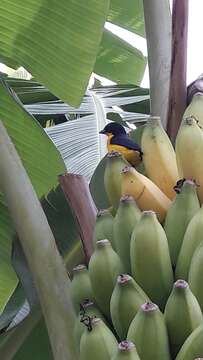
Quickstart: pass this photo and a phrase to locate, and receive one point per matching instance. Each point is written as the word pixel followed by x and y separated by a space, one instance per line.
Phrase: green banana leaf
pixel 43 164
pixel 40 337
pixel 40 36
pixel 13 306
pixel 128 14
pixel 119 61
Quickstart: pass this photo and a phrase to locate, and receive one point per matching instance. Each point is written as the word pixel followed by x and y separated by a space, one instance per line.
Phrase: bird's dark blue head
pixel 114 129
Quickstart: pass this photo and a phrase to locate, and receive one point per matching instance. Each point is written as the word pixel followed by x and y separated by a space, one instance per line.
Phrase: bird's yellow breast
pixel 133 157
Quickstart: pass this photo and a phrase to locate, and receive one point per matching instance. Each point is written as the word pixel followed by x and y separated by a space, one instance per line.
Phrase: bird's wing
pixel 124 140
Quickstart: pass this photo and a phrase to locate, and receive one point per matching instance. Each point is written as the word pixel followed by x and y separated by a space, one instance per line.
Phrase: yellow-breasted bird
pixel 118 140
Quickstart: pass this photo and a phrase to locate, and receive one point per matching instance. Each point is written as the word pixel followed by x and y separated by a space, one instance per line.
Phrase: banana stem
pixel 40 249
pixel 178 87
pixel 158 33
pixel 77 193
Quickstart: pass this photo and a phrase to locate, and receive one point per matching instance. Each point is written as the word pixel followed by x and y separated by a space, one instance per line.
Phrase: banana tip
pixel 126 345
pixel 126 169
pixel 181 284
pixel 149 307
pixel 103 242
pixel 127 198
pixel 113 154
pixel 123 279
pixel 78 268
pixel 102 212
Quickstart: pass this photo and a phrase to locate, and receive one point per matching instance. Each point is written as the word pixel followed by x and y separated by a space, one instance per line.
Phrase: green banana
pixel 148 332
pixel 192 238
pixel 193 346
pixel 97 341
pixel 88 308
pixel 150 259
pixel 126 300
pixel 182 315
pixel 80 287
pixel 127 216
pixel 195 108
pixel 112 177
pixel 126 351
pixel 103 227
pixel 104 268
pixel 196 274
pixel 181 211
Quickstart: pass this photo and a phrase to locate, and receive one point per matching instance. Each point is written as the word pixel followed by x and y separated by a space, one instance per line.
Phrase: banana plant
pixel 41 39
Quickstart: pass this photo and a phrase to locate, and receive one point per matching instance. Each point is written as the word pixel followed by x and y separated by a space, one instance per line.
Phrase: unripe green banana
pixel 103 227
pixel 150 259
pixel 126 300
pixel 181 211
pixel 127 216
pixel 193 346
pixel 80 287
pixel 192 238
pixel 189 149
pixel 97 342
pixel 196 274
pixel 148 332
pixel 112 177
pixel 88 308
pixel 182 315
pixel 195 108
pixel 126 351
pixel 104 268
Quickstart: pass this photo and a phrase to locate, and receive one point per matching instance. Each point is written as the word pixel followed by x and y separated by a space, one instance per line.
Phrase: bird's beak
pixel 103 132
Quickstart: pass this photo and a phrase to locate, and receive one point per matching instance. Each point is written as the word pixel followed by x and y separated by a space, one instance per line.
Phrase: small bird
pixel 118 140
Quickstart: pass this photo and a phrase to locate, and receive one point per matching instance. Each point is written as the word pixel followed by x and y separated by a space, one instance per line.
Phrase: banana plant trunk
pixel 46 265
pixel 178 86
pixel 157 17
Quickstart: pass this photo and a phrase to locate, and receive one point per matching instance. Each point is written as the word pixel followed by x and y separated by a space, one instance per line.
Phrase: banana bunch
pixel 141 295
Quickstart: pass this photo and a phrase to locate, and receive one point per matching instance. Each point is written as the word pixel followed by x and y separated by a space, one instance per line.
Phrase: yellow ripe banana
pixel 195 108
pixel 159 157
pixel 146 194
pixel 189 150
